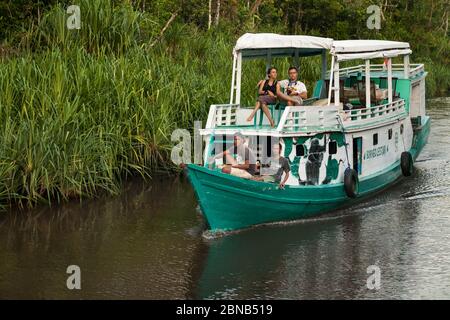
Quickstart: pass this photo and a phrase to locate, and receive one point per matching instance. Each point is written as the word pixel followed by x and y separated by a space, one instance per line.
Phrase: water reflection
pixel 127 247
pixel 325 258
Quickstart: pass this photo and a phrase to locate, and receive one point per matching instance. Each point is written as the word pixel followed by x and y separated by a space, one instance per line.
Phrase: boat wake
pixel 430 193
pixel 215 234
pixel 431 163
pixel 335 215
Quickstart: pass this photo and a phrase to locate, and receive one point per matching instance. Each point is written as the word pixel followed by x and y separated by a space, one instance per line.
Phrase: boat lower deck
pixel 230 202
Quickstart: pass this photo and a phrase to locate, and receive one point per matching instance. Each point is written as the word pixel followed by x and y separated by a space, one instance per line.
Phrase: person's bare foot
pixel 226 169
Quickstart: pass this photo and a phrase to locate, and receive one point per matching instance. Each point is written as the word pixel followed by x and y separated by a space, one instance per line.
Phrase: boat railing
pixel 308 118
pixel 313 118
pixel 414 70
pixel 374 113
pixel 222 115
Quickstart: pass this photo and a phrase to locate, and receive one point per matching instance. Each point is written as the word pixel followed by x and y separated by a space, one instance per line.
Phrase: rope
pixel 403 136
pixel 338 118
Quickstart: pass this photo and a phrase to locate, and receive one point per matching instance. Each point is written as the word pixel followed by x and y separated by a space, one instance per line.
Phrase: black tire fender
pixel 351 182
pixel 406 163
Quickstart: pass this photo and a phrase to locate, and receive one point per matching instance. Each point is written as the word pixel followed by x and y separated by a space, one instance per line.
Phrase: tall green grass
pixel 80 110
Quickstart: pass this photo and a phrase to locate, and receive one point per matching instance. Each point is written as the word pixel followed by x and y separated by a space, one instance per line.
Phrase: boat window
pixel 401 128
pixel 332 147
pixel 390 134
pixel 300 150
pixel 375 139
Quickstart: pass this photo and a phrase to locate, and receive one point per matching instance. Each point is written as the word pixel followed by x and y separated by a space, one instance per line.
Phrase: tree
pixel 217 12
pixel 209 14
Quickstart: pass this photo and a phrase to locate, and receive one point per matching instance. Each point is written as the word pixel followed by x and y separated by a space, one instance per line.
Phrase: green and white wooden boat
pixel 362 150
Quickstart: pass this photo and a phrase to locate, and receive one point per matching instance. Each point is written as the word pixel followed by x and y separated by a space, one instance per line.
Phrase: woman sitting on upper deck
pixel 267 95
pixel 268 92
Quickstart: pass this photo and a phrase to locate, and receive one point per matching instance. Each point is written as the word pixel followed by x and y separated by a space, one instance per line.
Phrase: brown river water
pixel 149 243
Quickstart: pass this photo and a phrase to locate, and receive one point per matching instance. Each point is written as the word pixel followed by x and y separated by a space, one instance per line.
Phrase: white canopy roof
pixel 368 49
pixel 261 44
pixel 258 44
pixel 272 40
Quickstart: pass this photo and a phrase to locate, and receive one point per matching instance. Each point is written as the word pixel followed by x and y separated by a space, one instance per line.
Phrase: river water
pixel 148 243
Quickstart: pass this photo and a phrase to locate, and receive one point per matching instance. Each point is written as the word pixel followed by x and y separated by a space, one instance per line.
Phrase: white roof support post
pixel 324 64
pixel 238 78
pixel 406 65
pixel 389 70
pixel 296 59
pixel 268 60
pixel 336 83
pixel 368 84
pixel 330 84
pixel 233 79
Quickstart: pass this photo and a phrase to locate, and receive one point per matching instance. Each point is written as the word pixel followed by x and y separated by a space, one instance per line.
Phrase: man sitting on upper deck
pixel 294 88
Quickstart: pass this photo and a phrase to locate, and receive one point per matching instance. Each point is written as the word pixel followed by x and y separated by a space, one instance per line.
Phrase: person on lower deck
pixel 240 161
pixel 276 166
pixel 294 88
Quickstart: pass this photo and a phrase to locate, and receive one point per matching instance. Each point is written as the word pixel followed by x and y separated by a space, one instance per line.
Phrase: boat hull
pixel 230 203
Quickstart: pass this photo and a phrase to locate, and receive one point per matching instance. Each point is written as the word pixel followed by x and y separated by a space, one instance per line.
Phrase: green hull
pixel 230 203
pixel 420 138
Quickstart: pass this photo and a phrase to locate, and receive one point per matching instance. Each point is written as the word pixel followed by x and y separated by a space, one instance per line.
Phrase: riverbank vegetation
pixel 80 110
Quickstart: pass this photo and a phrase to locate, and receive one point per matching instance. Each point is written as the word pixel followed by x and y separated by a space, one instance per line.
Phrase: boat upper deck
pixel 317 115
pixel 301 120
pixel 346 99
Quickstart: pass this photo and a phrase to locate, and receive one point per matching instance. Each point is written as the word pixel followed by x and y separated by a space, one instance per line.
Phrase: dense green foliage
pixel 81 109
